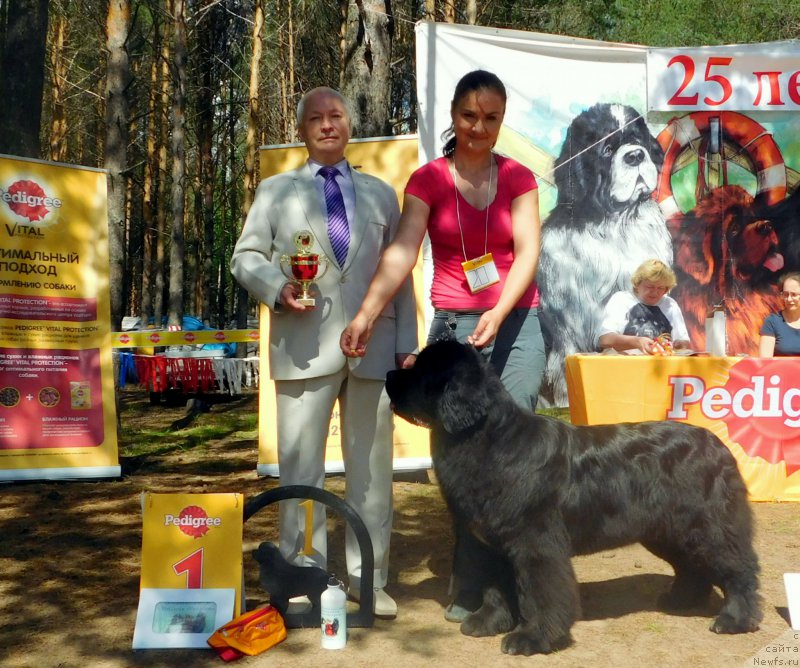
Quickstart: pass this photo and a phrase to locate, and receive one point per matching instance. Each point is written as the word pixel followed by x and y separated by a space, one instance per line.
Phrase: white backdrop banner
pixel 709 185
pixel 549 79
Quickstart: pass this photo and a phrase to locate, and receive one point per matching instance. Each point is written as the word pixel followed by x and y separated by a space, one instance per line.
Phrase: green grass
pixel 560 413
pixel 137 439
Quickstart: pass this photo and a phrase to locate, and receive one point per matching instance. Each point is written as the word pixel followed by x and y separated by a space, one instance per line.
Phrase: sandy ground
pixel 70 556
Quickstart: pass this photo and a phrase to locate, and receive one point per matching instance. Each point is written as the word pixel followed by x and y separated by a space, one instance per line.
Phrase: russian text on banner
pixel 57 408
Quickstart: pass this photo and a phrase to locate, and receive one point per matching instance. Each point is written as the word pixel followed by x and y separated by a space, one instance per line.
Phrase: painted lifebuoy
pixel 736 128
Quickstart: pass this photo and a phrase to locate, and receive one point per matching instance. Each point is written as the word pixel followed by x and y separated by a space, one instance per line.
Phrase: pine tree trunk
pixel 251 148
pixel 206 173
pixel 117 75
pixel 161 198
pixel 449 11
pixel 58 66
pixel 370 28
pixel 290 53
pixel 472 12
pixel 149 185
pixel 177 248
pixel 22 77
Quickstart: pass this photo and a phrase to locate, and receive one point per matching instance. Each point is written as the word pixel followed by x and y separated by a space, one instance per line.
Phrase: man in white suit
pixel 306 363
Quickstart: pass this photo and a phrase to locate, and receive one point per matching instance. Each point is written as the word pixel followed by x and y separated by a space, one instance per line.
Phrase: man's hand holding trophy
pixel 304 266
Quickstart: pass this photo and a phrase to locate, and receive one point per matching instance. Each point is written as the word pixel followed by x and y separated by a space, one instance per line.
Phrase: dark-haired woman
pixel 780 333
pixel 481 212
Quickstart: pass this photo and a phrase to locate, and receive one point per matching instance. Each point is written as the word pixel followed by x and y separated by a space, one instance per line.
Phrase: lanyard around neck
pixel 458 210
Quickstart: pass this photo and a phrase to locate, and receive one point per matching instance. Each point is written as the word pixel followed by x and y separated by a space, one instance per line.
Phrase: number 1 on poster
pixel 193 567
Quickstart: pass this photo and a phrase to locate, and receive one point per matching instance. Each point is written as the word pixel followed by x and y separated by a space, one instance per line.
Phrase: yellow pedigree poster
pixel 192 541
pixel 57 408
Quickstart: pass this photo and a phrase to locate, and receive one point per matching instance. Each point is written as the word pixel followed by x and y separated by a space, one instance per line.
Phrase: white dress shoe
pixel 383 605
pixel 298 605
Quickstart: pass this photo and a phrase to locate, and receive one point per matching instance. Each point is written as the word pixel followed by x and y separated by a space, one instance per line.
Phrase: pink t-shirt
pixel 433 184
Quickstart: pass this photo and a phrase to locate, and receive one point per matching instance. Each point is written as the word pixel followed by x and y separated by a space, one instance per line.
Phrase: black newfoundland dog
pixel 535 491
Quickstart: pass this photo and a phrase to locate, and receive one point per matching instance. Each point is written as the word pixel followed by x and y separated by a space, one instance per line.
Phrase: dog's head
pixel 785 219
pixel 734 243
pixel 449 387
pixel 609 161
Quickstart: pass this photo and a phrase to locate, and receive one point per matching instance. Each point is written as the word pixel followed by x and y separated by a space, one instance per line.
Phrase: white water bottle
pixel 333 615
pixel 716 335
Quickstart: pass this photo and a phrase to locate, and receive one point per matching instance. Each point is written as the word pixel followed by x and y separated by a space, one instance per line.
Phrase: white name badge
pixel 481 272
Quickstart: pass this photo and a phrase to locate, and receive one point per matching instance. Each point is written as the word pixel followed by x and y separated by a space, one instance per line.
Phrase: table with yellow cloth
pixel 751 404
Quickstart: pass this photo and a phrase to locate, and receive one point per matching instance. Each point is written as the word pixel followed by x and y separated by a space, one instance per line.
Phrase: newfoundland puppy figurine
pixel 284 580
pixel 535 491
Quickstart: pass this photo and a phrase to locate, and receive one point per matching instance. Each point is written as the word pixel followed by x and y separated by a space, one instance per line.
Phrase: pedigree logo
pixel 759 403
pixel 28 200
pixel 193 521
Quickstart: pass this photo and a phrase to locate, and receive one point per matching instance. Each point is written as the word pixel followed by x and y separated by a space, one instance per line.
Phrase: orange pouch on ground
pixel 248 634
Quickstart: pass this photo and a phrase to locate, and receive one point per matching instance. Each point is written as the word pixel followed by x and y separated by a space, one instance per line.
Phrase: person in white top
pixel 637 319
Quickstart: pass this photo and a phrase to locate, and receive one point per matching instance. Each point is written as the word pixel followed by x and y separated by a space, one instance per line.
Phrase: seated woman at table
pixel 645 317
pixel 780 333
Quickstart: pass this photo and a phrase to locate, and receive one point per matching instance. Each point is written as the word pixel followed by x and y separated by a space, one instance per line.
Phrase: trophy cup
pixel 304 266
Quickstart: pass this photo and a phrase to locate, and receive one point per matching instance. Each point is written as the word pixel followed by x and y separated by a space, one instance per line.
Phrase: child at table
pixel 643 318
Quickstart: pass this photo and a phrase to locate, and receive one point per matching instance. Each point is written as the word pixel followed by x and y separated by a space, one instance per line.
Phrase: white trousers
pixel 304 408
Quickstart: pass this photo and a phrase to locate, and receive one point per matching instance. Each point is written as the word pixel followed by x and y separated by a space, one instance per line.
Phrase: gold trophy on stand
pixel 304 266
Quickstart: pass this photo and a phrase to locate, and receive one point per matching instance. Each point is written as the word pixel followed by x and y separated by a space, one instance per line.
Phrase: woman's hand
pixel 353 340
pixel 486 329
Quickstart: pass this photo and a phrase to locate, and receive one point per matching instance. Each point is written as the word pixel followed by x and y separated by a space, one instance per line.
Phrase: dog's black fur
pixel 284 580
pixel 535 491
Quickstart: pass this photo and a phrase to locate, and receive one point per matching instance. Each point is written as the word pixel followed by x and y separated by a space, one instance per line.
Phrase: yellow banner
pixel 751 404
pixel 57 405
pixel 393 160
pixel 192 541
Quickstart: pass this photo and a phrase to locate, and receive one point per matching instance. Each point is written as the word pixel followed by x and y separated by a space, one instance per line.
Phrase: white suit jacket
pixel 306 345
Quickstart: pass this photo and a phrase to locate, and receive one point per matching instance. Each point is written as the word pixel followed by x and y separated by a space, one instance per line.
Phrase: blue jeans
pixel 517 352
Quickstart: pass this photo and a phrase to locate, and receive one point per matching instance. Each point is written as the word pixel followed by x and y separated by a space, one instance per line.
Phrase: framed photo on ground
pixel 180 618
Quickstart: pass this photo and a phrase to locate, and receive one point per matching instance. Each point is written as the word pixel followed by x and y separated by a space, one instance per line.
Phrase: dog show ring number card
pixel 191 567
pixel 481 272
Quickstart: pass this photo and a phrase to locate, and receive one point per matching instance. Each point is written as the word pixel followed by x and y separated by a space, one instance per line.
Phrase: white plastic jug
pixel 716 336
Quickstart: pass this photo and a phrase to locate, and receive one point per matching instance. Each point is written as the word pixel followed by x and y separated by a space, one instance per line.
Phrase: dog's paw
pixel 487 622
pixel 724 623
pixel 525 644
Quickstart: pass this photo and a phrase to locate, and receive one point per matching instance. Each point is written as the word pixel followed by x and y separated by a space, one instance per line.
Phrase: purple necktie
pixel 338 230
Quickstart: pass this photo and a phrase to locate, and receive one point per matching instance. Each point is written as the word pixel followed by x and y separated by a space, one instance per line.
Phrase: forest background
pixel 174 97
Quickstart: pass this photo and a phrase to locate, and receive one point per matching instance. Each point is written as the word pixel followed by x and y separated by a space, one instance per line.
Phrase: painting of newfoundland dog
pixel 535 491
pixel 726 252
pixel 604 225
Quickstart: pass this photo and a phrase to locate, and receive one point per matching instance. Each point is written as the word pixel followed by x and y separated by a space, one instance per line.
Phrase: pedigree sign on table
pixel 192 541
pixel 751 404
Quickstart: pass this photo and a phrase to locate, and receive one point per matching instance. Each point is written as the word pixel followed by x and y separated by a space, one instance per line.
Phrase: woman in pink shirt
pixel 481 212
